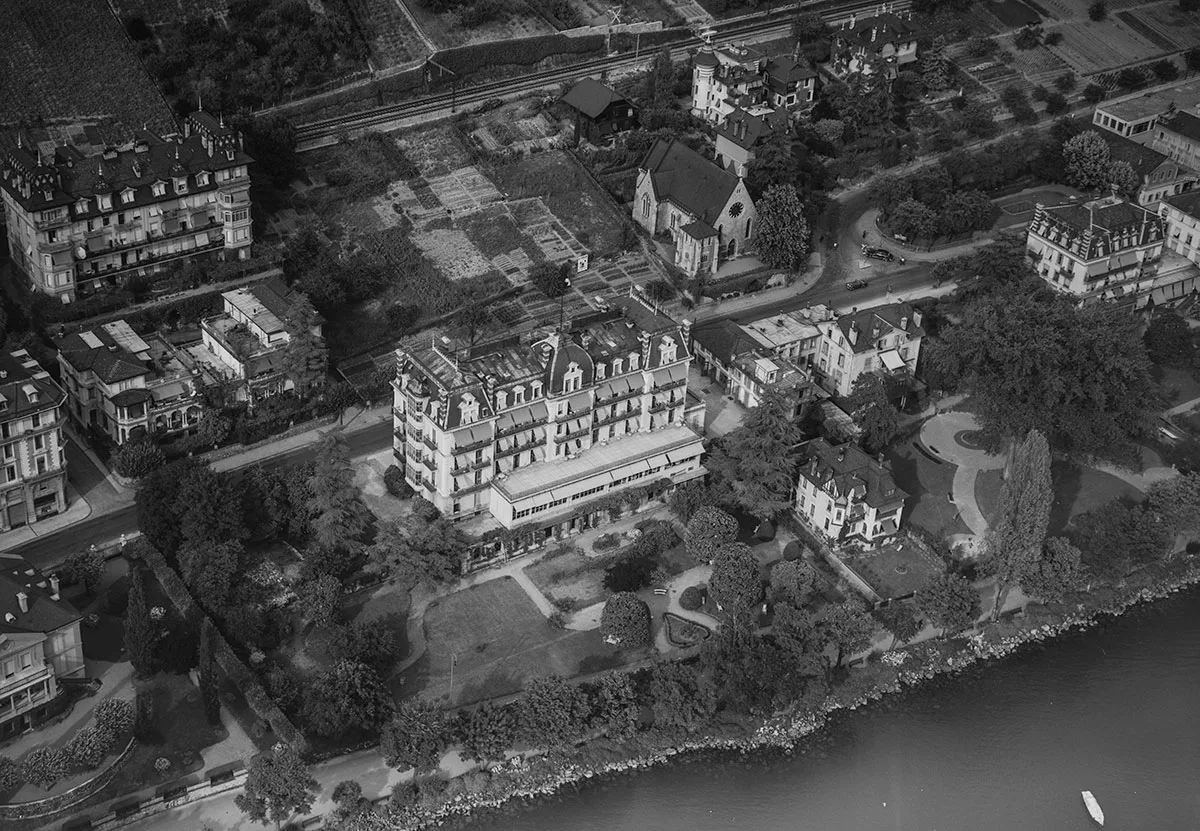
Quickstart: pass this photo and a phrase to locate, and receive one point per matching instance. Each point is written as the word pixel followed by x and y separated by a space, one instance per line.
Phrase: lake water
pixel 1008 746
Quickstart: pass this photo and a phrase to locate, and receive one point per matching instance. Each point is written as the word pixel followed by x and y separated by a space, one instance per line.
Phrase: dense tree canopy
pixel 873 412
pixel 416 737
pixel 1015 537
pixel 551 712
pixel 1079 376
pixel 757 459
pixel 350 696
pixel 783 236
pixel 625 621
pixel 1169 340
pixel 736 582
pixel 709 530
pixel 1057 571
pixel 278 786
pixel 1119 536
pixel 950 602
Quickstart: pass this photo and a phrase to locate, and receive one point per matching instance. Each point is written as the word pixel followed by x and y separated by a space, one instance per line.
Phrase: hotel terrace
pixel 531 431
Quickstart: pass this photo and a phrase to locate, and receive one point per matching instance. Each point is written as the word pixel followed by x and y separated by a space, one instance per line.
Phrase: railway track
pixel 315 134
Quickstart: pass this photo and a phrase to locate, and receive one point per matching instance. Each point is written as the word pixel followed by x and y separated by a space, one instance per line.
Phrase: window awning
pixel 471 435
pixel 96 244
pixel 677 456
pixel 891 359
pixel 580 403
pixel 676 373
pixel 658 461
pixel 61 257
pixel 521 415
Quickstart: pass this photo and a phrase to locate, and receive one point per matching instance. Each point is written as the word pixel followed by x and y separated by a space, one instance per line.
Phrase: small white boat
pixel 1093 807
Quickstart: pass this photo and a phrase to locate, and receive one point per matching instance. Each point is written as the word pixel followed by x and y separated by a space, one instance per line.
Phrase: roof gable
pixel 591 97
pixel 692 182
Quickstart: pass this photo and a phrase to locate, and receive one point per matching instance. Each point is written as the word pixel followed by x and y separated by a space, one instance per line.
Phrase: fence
pixel 130 810
pixel 60 802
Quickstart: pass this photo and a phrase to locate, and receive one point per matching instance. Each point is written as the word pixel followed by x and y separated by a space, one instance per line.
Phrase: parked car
pixel 1168 432
pixel 856 284
pixel 880 254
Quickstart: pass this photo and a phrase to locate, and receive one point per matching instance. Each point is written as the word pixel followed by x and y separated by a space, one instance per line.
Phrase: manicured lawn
pixel 928 483
pixel 896 570
pixel 568 575
pixel 498 640
pixel 1077 490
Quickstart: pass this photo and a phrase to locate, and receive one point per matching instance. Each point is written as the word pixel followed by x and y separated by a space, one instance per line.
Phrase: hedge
pixel 466 60
pixel 235 670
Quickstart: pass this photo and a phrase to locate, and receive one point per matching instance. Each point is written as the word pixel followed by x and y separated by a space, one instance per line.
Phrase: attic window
pixel 127 195
pixel 600 371
pixel 618 366
pixel 81 207
pixel 201 179
pixel 573 379
pixel 469 408
pixel 180 183
pixel 669 350
pixel 633 361
pixel 501 400
pixel 519 395
pixel 537 389
pixel 105 203
pixel 159 188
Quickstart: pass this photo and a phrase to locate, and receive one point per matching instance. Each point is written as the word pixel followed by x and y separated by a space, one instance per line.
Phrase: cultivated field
pixel 393 39
pixel 165 12
pixel 71 59
pixel 1166 25
pixel 446 31
pixel 1077 9
pixel 1091 47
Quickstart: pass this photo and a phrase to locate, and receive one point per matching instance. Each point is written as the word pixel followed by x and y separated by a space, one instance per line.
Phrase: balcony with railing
pixel 612 419
pixel 462 469
pixel 619 396
pixel 473 446
pixel 659 406
pixel 574 434
pixel 519 448
pixel 518 428
pixel 670 385
pixel 145 262
pixel 475 486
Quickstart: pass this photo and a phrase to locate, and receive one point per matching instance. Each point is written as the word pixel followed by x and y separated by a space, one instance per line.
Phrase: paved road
pixel 49 551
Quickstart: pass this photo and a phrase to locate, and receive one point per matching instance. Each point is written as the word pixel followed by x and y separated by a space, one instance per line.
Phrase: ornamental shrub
pixel 625 621
pixel 114 716
pixel 88 748
pixel 136 459
pixel 393 480
pixel 10 775
pixel 44 766
pixel 692 598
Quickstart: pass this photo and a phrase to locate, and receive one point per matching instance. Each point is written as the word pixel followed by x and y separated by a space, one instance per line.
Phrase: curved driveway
pixel 938 435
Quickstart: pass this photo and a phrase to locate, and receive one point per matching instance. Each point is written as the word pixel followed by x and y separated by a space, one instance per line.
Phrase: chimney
pixel 685 329
pixel 853 333
pixel 54 587
pixel 842 453
pixel 904 323
pixel 23 602
pixel 916 316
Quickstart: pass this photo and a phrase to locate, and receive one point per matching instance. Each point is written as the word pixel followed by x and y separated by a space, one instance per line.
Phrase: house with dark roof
pixel 127 386
pixel 77 223
pixel 600 111
pixel 1182 217
pixel 843 494
pixel 33 462
pixel 1159 176
pixel 1107 249
pixel 883 42
pixel 740 134
pixel 705 210
pixel 248 341
pixel 548 433
pixel 1177 134
pixel 740 76
pixel 747 370
pixel 40 644
pixel 883 339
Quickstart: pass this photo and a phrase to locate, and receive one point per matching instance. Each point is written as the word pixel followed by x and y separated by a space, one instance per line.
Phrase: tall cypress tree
pixel 1015 540
pixel 207 672
pixel 140 635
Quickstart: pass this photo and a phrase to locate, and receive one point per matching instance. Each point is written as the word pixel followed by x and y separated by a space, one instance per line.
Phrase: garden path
pixel 1186 406
pixel 939 435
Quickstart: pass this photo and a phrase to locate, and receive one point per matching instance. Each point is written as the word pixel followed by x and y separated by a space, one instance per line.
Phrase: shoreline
pixel 536 777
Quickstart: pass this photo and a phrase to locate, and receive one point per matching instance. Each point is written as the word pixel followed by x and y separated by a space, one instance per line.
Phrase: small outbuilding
pixel 600 111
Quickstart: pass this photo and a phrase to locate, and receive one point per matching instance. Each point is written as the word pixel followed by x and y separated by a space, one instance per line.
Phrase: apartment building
pixel 40 643
pixel 1182 217
pixel 845 495
pixel 1159 175
pixel 1136 115
pixel 78 223
pixel 32 449
pixel 884 339
pixel 885 42
pixel 127 386
pixel 1177 135
pixel 1107 249
pixel 741 77
pixel 249 340
pixel 530 431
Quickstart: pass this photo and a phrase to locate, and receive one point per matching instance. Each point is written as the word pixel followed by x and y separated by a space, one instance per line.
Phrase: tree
pixel 370 642
pixel 979 119
pixel 686 499
pixel 873 412
pixel 350 696
pixel 1017 103
pixel 808 27
pixel 1122 176
pixel 1177 501
pixel 210 570
pixel 680 698
pixel 86 567
pixel 949 602
pixel 278 786
pixel 348 797
pixel 136 459
pixel 1056 572
pixel 614 705
pixel 339 514
pixel 913 220
pixel 141 635
pixel 900 620
pixel 416 737
pixel 304 356
pixel 935 74
pixel 44 766
pixel 708 531
pixel 1169 340
pixel 10 772
pixel 774 163
pixel 1079 376
pixel 88 748
pixel 1191 58
pixel 1165 70
pixel 964 211
pixel 659 91
pixel 208 506
pixel 114 715
pixel 428 551
pixel 1094 93
pixel 889 191
pixel 550 279
pixel 831 130
pixel 552 712
pixel 757 460
pixel 213 429
pixel 625 621
pixel 206 671
pixel 736 582
pixel 848 627
pixel 793 582
pixel 1014 541
pixel 1066 82
pixel 783 234
pixel 486 732
pixel 1117 537
pixel 1088 160
pixel 1098 10
pixel 320 599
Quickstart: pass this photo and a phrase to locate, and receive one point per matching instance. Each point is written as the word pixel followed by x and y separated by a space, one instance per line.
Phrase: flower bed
pixel 685 633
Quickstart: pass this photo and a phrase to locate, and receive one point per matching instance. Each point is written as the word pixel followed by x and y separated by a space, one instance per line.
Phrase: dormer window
pixel 537 389
pixel 202 178
pixel 159 188
pixel 127 195
pixel 618 366
pixel 600 371
pixel 180 183
pixel 669 350
pixel 519 395
pixel 501 400
pixel 105 202
pixel 573 379
pixel 469 409
pixel 81 207
pixel 634 359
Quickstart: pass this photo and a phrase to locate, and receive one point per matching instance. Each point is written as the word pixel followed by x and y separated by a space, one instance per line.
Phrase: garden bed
pixel 685 633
